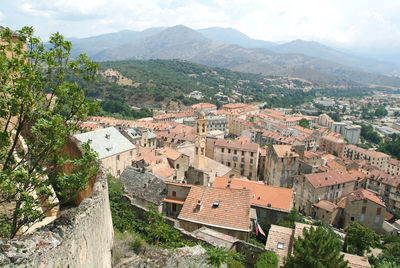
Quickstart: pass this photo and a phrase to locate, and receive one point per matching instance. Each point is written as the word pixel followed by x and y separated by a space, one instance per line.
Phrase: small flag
pixel 256 226
pixel 261 230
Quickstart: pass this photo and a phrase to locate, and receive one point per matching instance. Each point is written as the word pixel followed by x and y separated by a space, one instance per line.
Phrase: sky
pixel 356 24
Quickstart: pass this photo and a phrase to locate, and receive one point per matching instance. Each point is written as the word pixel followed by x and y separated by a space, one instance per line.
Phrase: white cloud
pixel 1 16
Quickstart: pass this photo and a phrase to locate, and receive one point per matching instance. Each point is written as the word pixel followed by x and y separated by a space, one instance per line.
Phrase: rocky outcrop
pixel 80 237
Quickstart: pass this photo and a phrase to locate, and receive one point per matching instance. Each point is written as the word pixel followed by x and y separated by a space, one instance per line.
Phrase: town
pixel 243 168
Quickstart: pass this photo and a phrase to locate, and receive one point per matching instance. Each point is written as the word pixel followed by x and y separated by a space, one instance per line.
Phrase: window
pixel 250 174
pixel 377 218
pixel 243 160
pixel 117 157
pixel 222 150
pixel 174 207
pixel 280 245
pixel 363 209
pixel 362 216
pixel 241 166
pixel 235 152
pixel 130 153
pixel 251 161
pixel 378 211
pixel 252 154
pixel 118 172
pixel 234 164
pixel 173 193
pixel 242 153
pixel 352 218
pixel 229 151
pixel 228 164
pixel 177 165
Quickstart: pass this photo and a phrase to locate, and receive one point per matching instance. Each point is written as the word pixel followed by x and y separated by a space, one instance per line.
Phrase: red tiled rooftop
pixel 364 194
pixel 326 205
pixel 284 151
pixel 331 177
pixel 232 212
pixel 261 194
pixel 236 144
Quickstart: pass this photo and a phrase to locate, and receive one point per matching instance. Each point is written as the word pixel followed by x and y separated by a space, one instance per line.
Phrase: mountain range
pixel 229 48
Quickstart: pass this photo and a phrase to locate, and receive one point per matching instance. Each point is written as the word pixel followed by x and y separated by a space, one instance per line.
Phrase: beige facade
pixel 176 196
pixel 115 164
pixel 311 188
pixel 365 211
pixel 377 159
pixel 240 156
pixel 200 141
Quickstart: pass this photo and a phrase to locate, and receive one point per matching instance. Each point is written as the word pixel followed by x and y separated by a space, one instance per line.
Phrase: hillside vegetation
pixel 156 83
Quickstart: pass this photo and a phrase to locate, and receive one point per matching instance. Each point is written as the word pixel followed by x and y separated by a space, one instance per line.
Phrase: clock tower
pixel 200 141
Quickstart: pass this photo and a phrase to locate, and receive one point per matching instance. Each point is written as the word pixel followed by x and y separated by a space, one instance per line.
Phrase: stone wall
pixel 80 237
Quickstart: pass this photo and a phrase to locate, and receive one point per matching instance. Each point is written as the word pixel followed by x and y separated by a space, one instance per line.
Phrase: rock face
pixel 178 258
pixel 80 237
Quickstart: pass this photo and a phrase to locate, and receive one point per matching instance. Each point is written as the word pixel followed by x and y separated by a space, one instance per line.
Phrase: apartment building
pixel 377 159
pixel 330 185
pixel 332 145
pixel 141 137
pixel 240 154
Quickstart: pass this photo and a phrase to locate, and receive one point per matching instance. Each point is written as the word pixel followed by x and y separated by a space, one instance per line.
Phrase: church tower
pixel 200 141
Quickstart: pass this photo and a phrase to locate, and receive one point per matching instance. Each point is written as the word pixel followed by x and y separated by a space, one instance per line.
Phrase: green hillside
pixel 167 83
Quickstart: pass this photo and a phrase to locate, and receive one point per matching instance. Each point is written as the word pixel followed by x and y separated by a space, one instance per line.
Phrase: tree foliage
pixel 316 249
pixel 267 259
pixel 290 219
pixel 391 146
pixel 39 110
pixel 359 238
pixel 217 256
pixel 304 123
pixel 369 134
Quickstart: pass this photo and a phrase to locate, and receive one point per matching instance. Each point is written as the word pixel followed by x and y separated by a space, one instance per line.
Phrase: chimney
pixel 199 205
pixel 269 205
pixel 229 184
pixel 108 136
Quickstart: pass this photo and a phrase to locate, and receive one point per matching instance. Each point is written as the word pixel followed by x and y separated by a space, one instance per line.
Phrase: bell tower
pixel 200 141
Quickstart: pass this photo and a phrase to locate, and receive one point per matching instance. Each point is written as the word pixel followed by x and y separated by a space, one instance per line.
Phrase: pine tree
pixel 316 249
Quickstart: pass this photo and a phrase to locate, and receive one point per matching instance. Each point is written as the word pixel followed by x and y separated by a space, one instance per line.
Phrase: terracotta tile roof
pixel 331 177
pixel 388 216
pixel 370 153
pixel 364 194
pixel 326 205
pixel 382 177
pixel 333 139
pixel 357 174
pixel 310 154
pixel 394 162
pixel 281 236
pixel 203 105
pixel 333 164
pixel 356 261
pixel 284 151
pixel 232 211
pixel 261 194
pixel 170 153
pixel 342 203
pixel 302 129
pixel 237 144
pixel 233 106
pixel 178 184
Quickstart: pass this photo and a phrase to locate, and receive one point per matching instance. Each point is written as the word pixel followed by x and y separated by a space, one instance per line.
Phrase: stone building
pixel 365 207
pixel 200 141
pixel 143 189
pixel 326 211
pixel 281 166
pixel 223 210
pixel 114 150
pixel 330 185
pixel 240 154
pixel 214 122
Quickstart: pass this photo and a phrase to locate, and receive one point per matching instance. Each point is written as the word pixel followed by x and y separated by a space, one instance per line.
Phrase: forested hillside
pixel 159 83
